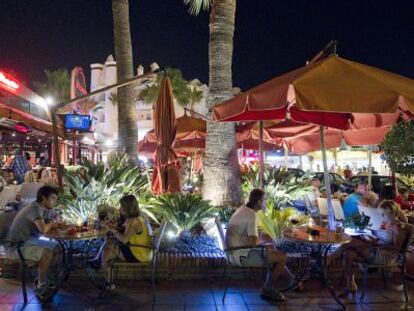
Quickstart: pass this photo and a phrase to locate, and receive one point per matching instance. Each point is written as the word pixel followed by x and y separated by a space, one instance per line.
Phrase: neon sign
pixel 8 82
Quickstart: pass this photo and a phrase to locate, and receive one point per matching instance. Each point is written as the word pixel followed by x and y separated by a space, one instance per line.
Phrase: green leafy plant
pixel 280 187
pixel 398 148
pixel 274 221
pixel 357 221
pixel 183 211
pixel 408 180
pixel 94 185
pixel 225 213
pixel 181 90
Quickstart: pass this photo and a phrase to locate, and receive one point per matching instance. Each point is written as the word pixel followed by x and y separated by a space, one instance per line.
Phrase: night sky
pixel 272 36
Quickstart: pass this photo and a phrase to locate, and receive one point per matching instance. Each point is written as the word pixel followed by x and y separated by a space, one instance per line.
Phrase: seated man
pixel 311 198
pixel 243 231
pixel 27 226
pixel 351 203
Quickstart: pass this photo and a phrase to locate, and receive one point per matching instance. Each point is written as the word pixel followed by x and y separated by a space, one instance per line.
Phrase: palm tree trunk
pixel 127 113
pixel 221 167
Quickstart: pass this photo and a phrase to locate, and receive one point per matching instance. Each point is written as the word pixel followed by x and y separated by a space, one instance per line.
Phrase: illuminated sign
pixel 8 82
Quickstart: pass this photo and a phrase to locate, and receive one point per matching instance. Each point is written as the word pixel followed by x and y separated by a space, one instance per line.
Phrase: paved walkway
pixel 198 295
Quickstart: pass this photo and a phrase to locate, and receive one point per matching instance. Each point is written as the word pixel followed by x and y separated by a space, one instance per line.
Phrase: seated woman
pixel 46 176
pixel 388 237
pixel 135 232
pixel 30 177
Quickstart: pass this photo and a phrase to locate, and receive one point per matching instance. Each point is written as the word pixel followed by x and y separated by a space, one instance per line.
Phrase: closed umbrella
pixel 165 177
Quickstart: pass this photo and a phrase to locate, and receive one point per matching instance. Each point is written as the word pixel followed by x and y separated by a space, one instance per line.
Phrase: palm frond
pixel 183 211
pixel 195 6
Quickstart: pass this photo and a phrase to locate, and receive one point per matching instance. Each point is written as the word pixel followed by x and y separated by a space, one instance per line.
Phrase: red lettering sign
pixel 9 82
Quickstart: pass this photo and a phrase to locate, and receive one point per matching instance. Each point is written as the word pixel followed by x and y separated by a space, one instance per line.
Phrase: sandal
pixel 272 295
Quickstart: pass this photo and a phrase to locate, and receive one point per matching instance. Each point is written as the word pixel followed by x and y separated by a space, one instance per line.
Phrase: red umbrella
pixel 190 136
pixel 165 177
pixel 365 129
pixel 317 94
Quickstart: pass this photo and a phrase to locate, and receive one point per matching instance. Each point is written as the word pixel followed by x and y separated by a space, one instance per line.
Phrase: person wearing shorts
pixel 27 226
pixel 243 231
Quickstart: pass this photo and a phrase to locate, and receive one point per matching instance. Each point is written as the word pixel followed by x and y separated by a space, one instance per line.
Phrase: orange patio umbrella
pixel 165 177
pixel 190 136
pixel 316 92
pixel 322 93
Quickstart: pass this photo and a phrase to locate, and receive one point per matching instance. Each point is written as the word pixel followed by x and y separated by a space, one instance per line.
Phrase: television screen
pixel 77 122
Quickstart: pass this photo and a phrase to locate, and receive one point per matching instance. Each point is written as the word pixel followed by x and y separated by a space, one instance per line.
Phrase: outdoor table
pixel 88 241
pixel 318 247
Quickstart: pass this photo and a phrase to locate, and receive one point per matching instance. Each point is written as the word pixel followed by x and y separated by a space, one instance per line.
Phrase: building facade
pixel 106 113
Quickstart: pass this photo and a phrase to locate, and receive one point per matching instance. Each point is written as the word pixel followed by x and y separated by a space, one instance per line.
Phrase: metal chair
pixel 227 252
pixel 6 219
pixel 155 246
pixel 399 263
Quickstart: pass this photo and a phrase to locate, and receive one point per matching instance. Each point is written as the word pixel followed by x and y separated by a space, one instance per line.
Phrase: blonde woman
pixel 30 177
pixel 370 199
pixel 134 231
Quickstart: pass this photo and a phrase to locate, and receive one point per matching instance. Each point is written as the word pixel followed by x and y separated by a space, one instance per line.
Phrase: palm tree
pixel 181 91
pixel 127 113
pixel 196 96
pixel 56 85
pixel 221 167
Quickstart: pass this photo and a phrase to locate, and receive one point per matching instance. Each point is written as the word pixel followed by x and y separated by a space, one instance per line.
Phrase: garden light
pixel 143 159
pixel 171 234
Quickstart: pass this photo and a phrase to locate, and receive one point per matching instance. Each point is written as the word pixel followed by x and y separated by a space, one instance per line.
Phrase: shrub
pixel 182 211
pixel 93 185
pixel 274 221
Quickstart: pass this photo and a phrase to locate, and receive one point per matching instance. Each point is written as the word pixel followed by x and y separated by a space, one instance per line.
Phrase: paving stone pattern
pixel 198 295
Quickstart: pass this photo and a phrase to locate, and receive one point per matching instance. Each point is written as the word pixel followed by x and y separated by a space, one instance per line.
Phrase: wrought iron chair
pixel 6 219
pixel 155 246
pixel 227 252
pixel 399 263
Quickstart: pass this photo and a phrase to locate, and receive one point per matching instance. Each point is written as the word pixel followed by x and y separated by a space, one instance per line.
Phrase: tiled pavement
pixel 197 295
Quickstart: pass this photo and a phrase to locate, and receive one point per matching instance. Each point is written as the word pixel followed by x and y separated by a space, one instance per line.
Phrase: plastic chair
pixel 323 206
pixel 337 209
pixel 8 195
pixel 29 191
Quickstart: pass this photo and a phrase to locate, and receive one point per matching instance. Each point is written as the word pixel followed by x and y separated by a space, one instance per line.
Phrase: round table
pixel 64 235
pixel 318 247
pixel 85 252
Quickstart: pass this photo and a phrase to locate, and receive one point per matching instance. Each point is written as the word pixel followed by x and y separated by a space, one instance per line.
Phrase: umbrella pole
pixel 286 157
pixel 331 217
pixel 261 155
pixel 300 162
pixel 369 167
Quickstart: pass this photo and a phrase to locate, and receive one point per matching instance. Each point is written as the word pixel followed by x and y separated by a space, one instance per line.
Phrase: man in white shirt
pixel 242 231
